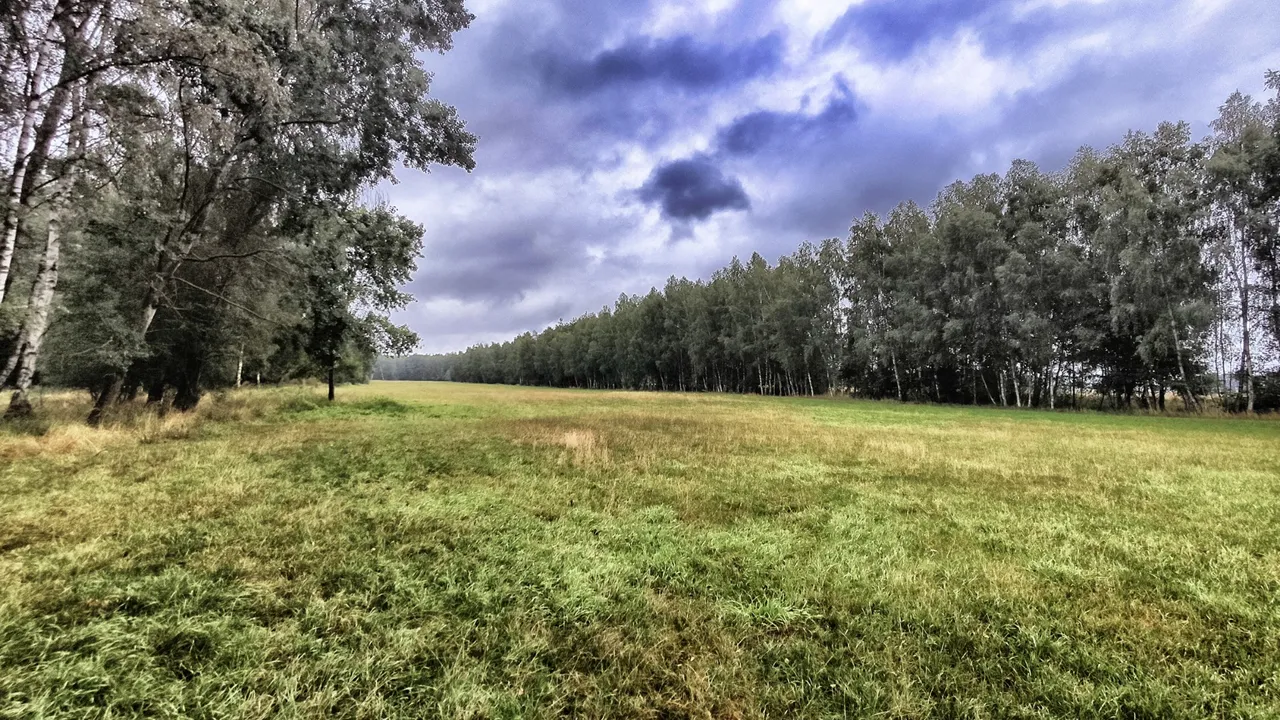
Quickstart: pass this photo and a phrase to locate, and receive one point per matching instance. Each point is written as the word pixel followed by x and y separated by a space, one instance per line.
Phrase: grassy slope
pixel 473 551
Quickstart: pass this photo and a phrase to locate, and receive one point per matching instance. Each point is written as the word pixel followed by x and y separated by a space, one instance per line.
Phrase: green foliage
pixel 214 153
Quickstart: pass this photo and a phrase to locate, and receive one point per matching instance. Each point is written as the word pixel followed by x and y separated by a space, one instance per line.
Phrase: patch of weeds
pixel 321 408
pixel 30 426
pixel 183 651
pixel 301 404
pixel 376 406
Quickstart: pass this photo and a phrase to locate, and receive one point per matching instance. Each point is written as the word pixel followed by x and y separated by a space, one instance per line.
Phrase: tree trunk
pixel 1017 393
pixel 331 383
pixel 37 320
pixel 1188 394
pixel 240 367
pixel 1246 359
pixel 1052 381
pixel 21 156
pixel 893 357
pixel 187 394
pixel 155 392
pixel 987 387
pixel 111 385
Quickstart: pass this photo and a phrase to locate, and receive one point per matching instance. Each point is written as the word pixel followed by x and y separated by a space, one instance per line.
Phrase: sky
pixel 621 143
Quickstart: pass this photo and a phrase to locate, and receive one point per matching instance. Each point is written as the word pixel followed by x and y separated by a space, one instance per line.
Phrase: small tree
pixel 358 260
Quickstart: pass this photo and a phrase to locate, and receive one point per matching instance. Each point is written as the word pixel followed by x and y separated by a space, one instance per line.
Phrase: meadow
pixel 469 551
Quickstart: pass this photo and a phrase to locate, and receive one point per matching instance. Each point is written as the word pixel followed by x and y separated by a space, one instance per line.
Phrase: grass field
pixel 437 550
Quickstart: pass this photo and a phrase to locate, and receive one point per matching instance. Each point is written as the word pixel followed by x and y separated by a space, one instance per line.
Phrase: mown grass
pixel 437 550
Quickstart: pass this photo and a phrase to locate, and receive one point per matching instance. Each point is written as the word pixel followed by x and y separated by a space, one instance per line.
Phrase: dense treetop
pixel 182 188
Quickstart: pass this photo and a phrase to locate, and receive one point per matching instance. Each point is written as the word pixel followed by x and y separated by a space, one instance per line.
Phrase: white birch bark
pixel 21 155
pixel 37 321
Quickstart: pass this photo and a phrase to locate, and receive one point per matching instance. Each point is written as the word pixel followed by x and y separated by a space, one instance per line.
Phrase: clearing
pixel 432 549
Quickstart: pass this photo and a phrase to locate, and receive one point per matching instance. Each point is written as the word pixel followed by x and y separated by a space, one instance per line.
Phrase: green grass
pixel 436 550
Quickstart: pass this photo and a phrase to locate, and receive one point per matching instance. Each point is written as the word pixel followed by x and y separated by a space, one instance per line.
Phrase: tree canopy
pixel 183 187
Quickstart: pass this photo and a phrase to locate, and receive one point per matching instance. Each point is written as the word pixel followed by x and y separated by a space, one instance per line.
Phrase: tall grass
pixel 437 550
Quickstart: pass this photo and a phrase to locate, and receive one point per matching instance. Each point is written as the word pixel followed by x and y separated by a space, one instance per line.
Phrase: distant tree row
pixel 1146 271
pixel 182 182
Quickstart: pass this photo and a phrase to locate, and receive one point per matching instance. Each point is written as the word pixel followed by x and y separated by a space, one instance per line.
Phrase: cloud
pixel 497 266
pixel 693 189
pixel 894 29
pixel 681 62
pixel 618 139
pixel 760 130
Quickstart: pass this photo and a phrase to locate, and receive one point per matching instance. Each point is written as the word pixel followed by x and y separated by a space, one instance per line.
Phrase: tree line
pixel 1147 271
pixel 182 203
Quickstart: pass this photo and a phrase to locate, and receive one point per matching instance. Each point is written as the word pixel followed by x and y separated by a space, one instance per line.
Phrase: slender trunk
pixel 1221 368
pixel 1182 368
pixel 1246 359
pixel 31 335
pixel 38 157
pixel 1004 398
pixel 1017 394
pixel 987 387
pixel 21 156
pixel 893 357
pixel 1075 384
pixel 331 383
pixel 1052 380
pixel 240 366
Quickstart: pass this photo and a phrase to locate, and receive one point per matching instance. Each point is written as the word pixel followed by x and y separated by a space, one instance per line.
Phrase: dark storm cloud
pixel 570 83
pixel 693 189
pixel 680 62
pixel 765 129
pixel 894 29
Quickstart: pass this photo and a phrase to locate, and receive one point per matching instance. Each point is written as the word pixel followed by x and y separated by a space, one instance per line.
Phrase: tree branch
pixel 225 299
